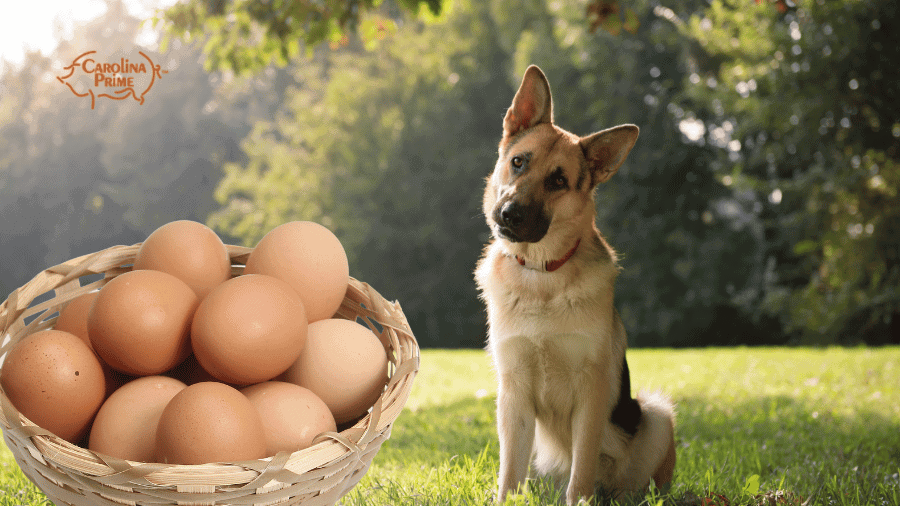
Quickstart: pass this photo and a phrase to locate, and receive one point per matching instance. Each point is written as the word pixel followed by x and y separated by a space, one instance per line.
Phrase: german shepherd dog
pixel 557 343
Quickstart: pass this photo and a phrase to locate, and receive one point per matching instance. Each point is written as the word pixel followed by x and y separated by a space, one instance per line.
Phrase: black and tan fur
pixel 558 345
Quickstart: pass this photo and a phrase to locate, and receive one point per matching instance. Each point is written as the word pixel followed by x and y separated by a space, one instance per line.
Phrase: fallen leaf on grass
pixel 709 500
pixel 772 498
pixel 778 498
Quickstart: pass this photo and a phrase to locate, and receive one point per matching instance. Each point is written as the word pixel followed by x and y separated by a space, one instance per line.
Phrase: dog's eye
pixel 557 180
pixel 518 162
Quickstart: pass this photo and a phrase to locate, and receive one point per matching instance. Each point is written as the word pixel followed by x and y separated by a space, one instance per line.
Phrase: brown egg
pixel 209 422
pixel 140 323
pixel 344 364
pixel 292 416
pixel 125 426
pixel 56 381
pixel 188 250
pixel 311 259
pixel 73 319
pixel 249 329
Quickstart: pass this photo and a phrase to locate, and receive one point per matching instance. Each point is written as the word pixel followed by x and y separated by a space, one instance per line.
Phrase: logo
pixel 88 75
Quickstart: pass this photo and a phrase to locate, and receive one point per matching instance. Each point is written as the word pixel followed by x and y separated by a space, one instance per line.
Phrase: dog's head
pixel 545 176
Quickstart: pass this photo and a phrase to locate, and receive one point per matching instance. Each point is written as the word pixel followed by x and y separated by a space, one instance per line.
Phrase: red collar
pixel 552 265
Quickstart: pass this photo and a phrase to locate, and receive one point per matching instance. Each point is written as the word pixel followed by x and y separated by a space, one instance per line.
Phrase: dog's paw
pixel 503 494
pixel 578 495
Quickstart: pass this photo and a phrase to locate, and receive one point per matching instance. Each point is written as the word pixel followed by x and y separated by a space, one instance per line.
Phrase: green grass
pixel 821 425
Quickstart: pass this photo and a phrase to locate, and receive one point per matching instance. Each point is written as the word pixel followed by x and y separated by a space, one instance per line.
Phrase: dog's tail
pixel 651 451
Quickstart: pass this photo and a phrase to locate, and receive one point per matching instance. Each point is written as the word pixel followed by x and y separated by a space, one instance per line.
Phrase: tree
pixel 805 119
pixel 247 35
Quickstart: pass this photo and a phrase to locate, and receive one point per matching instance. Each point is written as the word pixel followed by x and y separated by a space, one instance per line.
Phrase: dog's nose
pixel 512 214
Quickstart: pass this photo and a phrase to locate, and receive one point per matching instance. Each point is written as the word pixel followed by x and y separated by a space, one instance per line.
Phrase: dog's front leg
pixel 587 434
pixel 515 428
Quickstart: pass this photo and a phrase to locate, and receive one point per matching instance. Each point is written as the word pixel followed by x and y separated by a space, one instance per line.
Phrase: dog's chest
pixel 562 363
pixel 549 334
pixel 555 373
pixel 550 358
pixel 570 315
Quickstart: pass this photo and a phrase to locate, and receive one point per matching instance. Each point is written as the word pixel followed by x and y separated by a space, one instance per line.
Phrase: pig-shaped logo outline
pixel 89 66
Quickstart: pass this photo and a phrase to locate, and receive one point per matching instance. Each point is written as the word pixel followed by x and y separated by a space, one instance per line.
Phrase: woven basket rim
pixel 64 281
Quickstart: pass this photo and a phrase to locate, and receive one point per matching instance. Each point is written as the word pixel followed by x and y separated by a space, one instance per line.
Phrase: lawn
pixel 754 426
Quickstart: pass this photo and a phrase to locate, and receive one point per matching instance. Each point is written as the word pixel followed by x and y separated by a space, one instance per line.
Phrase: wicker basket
pixel 319 475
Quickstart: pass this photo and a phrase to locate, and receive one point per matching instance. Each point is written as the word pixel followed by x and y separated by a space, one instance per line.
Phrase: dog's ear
pixel 605 151
pixel 532 104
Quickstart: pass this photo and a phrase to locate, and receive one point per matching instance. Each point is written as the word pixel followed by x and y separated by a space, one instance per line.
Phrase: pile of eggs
pixel 178 362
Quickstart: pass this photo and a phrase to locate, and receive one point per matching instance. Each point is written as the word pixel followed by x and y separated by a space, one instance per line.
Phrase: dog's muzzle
pixel 517 222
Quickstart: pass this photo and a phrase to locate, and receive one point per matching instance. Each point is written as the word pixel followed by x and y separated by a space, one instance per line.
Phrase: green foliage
pixel 247 35
pixel 610 17
pixel 799 100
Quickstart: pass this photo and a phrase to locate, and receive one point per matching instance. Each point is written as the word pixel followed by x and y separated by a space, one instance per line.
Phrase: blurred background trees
pixel 806 108
pixel 760 205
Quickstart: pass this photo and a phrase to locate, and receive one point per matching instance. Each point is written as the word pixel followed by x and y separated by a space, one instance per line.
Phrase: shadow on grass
pixel 789 444
pixel 792 444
